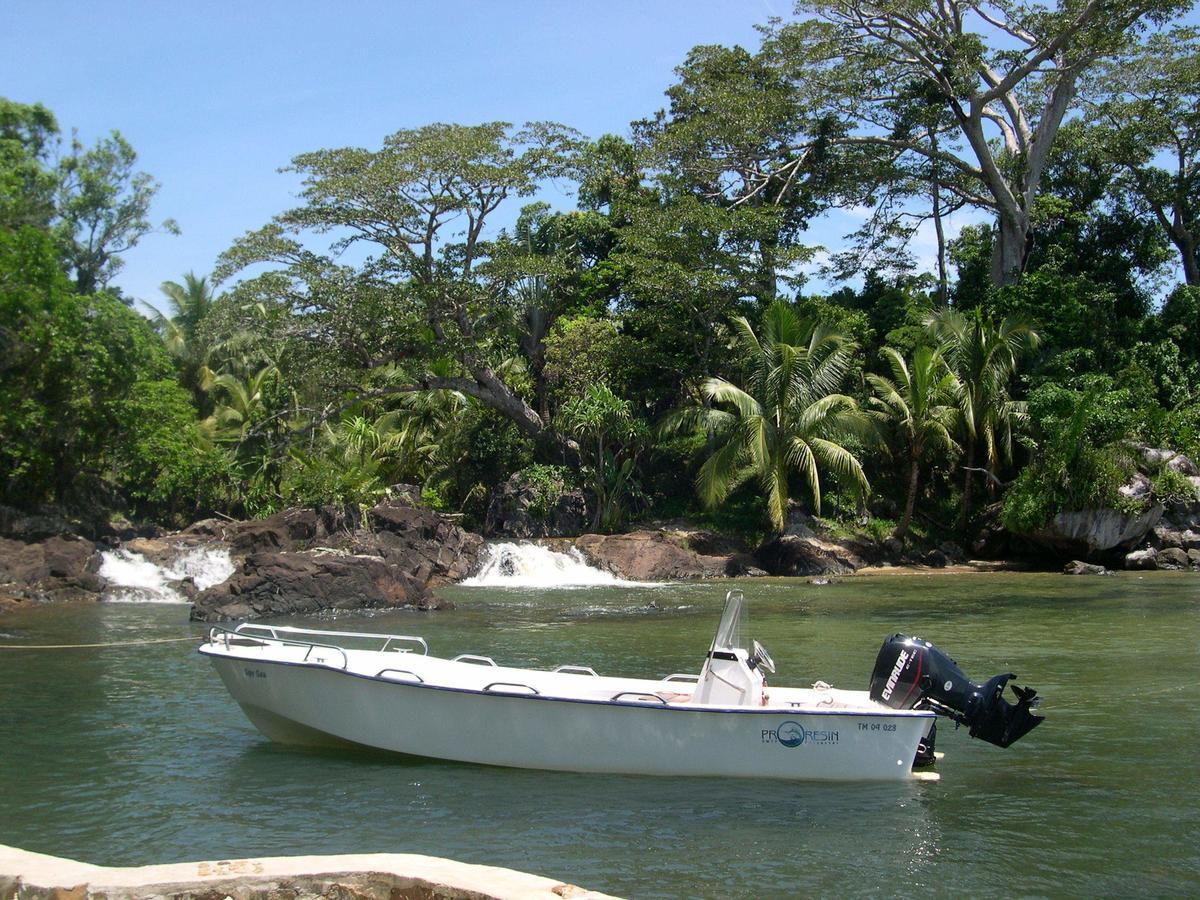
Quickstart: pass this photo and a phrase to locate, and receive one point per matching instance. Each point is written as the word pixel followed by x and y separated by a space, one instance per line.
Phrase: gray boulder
pixel 1093 531
pixel 1142 559
pixel 1156 457
pixel 1194 558
pixel 1078 567
pixel 1172 558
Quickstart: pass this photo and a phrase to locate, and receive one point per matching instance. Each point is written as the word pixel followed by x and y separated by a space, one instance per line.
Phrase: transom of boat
pixel 405 659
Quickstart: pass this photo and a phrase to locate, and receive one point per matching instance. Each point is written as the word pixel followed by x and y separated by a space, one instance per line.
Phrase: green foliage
pixel 1169 486
pixel 547 484
pixel 788 418
pixel 87 411
pixel 1080 461
pixel 28 135
pixel 610 440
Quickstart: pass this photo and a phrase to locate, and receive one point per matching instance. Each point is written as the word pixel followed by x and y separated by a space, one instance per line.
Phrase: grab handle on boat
pixel 419 641
pixel 645 695
pixel 473 659
pixel 682 676
pixel 512 684
pixel 381 672
pixel 577 670
pixel 312 647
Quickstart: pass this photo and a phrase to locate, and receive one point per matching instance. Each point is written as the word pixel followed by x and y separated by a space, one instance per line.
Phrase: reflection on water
pixel 136 755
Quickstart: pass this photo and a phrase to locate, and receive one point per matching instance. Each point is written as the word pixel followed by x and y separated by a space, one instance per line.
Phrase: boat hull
pixel 307 704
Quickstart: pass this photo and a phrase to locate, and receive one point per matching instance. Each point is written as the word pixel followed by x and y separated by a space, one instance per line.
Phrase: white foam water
pixel 134 579
pixel 512 564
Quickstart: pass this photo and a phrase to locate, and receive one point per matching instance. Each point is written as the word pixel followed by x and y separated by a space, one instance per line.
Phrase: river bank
pixel 399 554
pixel 373 876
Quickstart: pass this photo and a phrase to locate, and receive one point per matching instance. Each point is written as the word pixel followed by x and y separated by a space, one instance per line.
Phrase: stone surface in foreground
pixel 387 876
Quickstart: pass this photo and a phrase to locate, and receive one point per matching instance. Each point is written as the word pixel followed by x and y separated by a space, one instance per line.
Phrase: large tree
pixel 1148 113
pixel 103 209
pixel 1006 72
pixel 431 286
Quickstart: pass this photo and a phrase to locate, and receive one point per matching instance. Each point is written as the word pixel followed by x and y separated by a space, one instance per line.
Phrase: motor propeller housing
pixel 914 674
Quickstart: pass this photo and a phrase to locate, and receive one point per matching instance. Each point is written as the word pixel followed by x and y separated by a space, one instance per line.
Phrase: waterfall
pixel 532 565
pixel 134 579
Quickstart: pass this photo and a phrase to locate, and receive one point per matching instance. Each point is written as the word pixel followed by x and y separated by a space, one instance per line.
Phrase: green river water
pixel 135 755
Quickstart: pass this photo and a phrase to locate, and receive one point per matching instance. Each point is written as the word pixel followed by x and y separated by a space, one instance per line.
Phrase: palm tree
pixel 916 403
pixel 787 418
pixel 984 356
pixel 190 303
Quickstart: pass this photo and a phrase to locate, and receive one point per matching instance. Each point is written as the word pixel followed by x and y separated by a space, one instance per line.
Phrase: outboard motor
pixel 914 674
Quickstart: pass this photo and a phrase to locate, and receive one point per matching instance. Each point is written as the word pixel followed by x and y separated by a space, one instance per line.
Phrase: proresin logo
pixel 894 677
pixel 793 734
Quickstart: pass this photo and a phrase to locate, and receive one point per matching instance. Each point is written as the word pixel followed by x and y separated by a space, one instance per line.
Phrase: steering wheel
pixel 762 658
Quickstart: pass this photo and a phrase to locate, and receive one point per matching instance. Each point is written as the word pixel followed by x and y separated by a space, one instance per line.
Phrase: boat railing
pixel 414 675
pixel 576 670
pixel 474 659
pixel 239 637
pixel 642 695
pixel 682 676
pixel 512 684
pixel 293 635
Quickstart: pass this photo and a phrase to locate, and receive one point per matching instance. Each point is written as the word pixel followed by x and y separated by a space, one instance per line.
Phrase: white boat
pixel 302 686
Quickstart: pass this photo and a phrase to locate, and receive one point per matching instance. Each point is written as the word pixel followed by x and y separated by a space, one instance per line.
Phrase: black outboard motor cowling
pixel 914 674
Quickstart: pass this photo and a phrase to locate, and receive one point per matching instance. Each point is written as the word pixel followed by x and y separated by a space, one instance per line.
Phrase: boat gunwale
pixel 723 710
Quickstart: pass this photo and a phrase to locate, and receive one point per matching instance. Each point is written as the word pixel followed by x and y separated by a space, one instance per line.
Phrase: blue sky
pixel 216 96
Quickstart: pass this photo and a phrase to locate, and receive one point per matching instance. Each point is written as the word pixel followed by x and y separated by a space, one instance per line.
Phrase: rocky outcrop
pixel 62 567
pixel 307 560
pixel 794 555
pixel 1078 567
pixel 1093 531
pixel 517 509
pixel 651 556
pixel 310 581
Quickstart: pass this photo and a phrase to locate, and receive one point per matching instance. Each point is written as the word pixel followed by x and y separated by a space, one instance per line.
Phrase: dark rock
pixel 1172 558
pixel 291 529
pixel 1194 558
pixel 708 544
pixel 57 568
pixel 1078 567
pixel 892 548
pixel 390 558
pixel 304 582
pixel 935 559
pixel 791 555
pixel 215 529
pixel 648 556
pixel 738 565
pixel 954 552
pixel 511 512
pixel 1142 559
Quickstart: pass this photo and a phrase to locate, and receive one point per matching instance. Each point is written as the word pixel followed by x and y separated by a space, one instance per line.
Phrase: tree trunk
pixel 1009 251
pixel 914 473
pixel 936 196
pixel 1187 251
pixel 967 473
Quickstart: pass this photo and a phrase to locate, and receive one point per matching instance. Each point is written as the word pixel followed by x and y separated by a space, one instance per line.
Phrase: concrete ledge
pixel 372 876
